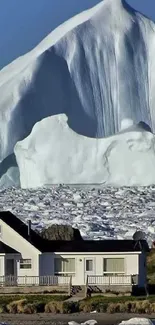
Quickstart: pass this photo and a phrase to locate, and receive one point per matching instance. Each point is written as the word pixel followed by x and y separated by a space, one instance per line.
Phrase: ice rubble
pixel 100 213
pixel 98 68
pixel 54 154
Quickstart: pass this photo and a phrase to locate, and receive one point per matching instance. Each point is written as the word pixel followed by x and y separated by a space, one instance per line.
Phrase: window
pixel 113 266
pixel 89 265
pixel 25 264
pixel 64 266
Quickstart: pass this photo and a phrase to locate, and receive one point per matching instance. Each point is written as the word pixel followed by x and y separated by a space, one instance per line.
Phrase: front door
pixel 9 269
pixel 9 272
pixel 89 267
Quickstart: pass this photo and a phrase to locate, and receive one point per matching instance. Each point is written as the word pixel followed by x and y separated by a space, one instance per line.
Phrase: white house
pixel 105 262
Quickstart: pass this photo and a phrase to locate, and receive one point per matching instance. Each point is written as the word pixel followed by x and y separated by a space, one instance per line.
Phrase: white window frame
pixel 117 273
pixel 25 262
pixel 64 273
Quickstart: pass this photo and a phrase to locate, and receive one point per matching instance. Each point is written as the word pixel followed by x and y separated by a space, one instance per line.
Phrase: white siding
pixel 131 264
pixel 2 265
pixel 28 251
pixel 47 266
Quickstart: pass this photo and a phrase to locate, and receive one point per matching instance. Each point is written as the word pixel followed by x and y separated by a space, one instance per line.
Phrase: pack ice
pixel 98 69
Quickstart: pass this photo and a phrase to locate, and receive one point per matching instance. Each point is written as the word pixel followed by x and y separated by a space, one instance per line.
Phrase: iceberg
pixel 54 154
pixel 98 69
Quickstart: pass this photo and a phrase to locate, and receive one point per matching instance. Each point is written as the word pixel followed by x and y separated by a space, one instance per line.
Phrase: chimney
pixel 29 228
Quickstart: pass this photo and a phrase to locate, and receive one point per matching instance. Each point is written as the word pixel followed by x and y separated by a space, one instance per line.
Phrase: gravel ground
pixel 41 319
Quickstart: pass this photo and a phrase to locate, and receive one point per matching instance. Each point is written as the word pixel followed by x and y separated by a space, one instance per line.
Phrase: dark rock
pixel 61 232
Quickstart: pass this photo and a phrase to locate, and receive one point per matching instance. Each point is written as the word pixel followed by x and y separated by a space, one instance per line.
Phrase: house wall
pixel 47 266
pixel 131 264
pixel 11 238
pixel 2 264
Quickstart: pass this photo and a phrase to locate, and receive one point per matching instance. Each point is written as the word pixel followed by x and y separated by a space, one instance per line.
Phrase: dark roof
pixel 5 249
pixel 44 245
pixel 97 246
pixel 21 228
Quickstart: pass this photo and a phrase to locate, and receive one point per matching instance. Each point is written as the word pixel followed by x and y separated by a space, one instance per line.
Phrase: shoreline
pixel 49 319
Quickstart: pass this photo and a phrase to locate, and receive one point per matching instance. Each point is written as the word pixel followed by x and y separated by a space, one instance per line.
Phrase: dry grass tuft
pixel 17 306
pixel 54 307
pixel 30 309
pixel 112 307
pixel 86 307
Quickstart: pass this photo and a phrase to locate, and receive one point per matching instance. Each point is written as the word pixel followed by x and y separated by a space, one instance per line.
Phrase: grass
pixel 118 304
pixel 41 304
pixel 24 307
pixel 121 299
pixel 6 299
pixel 30 304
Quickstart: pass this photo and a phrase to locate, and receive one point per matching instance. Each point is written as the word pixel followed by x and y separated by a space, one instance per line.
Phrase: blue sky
pixel 24 23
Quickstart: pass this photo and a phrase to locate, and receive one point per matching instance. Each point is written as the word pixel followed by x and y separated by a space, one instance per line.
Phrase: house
pixel 25 255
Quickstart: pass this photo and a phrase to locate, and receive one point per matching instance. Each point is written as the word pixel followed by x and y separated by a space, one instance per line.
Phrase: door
pixel 89 267
pixel 10 280
pixel 9 270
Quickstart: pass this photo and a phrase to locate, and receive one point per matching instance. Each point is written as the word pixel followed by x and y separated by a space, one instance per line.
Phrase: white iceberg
pixel 53 154
pixel 98 69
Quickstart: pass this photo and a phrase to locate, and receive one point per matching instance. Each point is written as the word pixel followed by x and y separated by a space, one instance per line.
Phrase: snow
pixel 126 123
pixel 88 322
pixel 53 154
pixel 137 321
pixel 98 68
